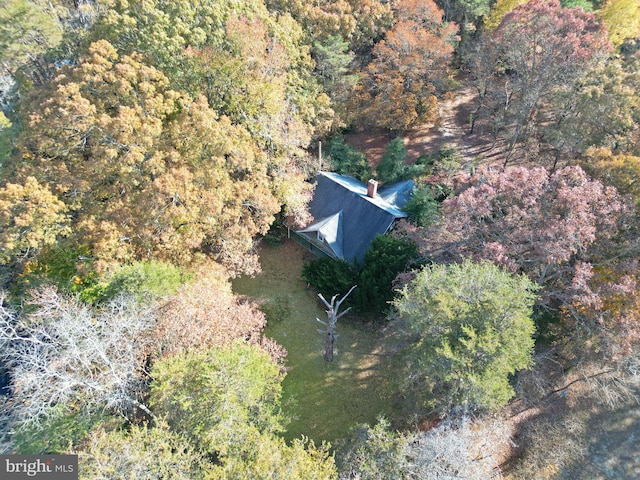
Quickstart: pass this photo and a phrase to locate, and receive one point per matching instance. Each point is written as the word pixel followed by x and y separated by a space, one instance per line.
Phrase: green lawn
pixel 322 399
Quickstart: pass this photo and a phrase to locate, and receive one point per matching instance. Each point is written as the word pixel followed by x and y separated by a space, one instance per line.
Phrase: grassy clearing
pixel 324 400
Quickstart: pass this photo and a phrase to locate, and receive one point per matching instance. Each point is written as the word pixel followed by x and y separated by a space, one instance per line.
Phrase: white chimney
pixel 372 188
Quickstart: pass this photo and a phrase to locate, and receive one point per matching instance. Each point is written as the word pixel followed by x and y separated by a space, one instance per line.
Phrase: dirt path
pixel 452 129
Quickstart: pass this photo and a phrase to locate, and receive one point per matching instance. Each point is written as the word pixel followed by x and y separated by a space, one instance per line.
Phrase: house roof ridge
pixel 360 189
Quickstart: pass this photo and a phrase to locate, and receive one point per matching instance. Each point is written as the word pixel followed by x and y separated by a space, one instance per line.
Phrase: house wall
pixel 309 246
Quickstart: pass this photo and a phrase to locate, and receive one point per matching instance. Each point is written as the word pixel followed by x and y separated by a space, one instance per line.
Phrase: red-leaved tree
pixel 563 230
pixel 538 48
pixel 205 313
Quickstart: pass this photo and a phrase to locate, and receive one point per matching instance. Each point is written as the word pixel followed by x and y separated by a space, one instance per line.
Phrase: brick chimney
pixel 372 188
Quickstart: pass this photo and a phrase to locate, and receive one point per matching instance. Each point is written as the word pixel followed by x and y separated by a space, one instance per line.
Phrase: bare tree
pixel 66 352
pixel 332 319
pixel 458 448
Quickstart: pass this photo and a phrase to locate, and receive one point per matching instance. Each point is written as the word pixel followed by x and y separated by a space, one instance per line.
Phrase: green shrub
pixel 146 280
pixel 330 276
pixel 385 259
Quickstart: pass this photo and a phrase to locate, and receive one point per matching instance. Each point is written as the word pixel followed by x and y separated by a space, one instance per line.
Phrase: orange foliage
pixel 205 313
pixel 147 171
pixel 410 67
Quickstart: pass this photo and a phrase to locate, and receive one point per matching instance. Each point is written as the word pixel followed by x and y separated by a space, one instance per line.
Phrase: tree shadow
pixel 570 434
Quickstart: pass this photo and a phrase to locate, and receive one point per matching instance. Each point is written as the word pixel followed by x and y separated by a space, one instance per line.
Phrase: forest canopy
pixel 147 147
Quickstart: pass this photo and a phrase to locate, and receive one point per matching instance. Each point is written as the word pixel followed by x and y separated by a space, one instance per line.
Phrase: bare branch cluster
pixel 64 352
pixel 458 448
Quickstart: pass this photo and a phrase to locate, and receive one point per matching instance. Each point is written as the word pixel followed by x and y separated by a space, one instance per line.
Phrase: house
pixel 349 214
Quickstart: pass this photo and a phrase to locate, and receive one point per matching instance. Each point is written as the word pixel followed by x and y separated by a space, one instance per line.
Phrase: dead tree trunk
pixel 332 318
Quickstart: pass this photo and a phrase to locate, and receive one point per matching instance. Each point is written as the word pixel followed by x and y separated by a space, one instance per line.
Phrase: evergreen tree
pixel 471 329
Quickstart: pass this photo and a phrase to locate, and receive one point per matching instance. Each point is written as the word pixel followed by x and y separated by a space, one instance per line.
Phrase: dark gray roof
pixel 346 219
pixel 397 194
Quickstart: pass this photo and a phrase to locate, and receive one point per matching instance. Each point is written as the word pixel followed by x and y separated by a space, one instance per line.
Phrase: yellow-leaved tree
pixel 147 171
pixel 31 218
pixel 622 18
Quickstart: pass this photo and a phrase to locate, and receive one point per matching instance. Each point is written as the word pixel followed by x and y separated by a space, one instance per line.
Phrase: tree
pixel 27 31
pixel 622 18
pixel 569 234
pixel 222 399
pixel 372 453
pixel 147 171
pixel 63 426
pixel 204 313
pixel 498 11
pixel 422 208
pixel 361 22
pixel 531 222
pixel 471 330
pixel 141 452
pixel 148 282
pixel 225 402
pixel 469 14
pixel 333 61
pixel 392 166
pixel 618 170
pixel 602 110
pixel 399 88
pixel 386 258
pixel 345 159
pixel 538 48
pixel 66 353
pixel 262 84
pixel 458 447
pixel 31 217
pixel 6 131
pixel 273 458
pixel 251 65
pixel 332 318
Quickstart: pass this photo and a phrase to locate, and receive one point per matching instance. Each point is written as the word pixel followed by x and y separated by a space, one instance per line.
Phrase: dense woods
pixel 148 147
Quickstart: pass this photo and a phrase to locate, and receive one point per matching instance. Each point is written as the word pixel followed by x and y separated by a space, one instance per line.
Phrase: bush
pixel 330 276
pixel 387 257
